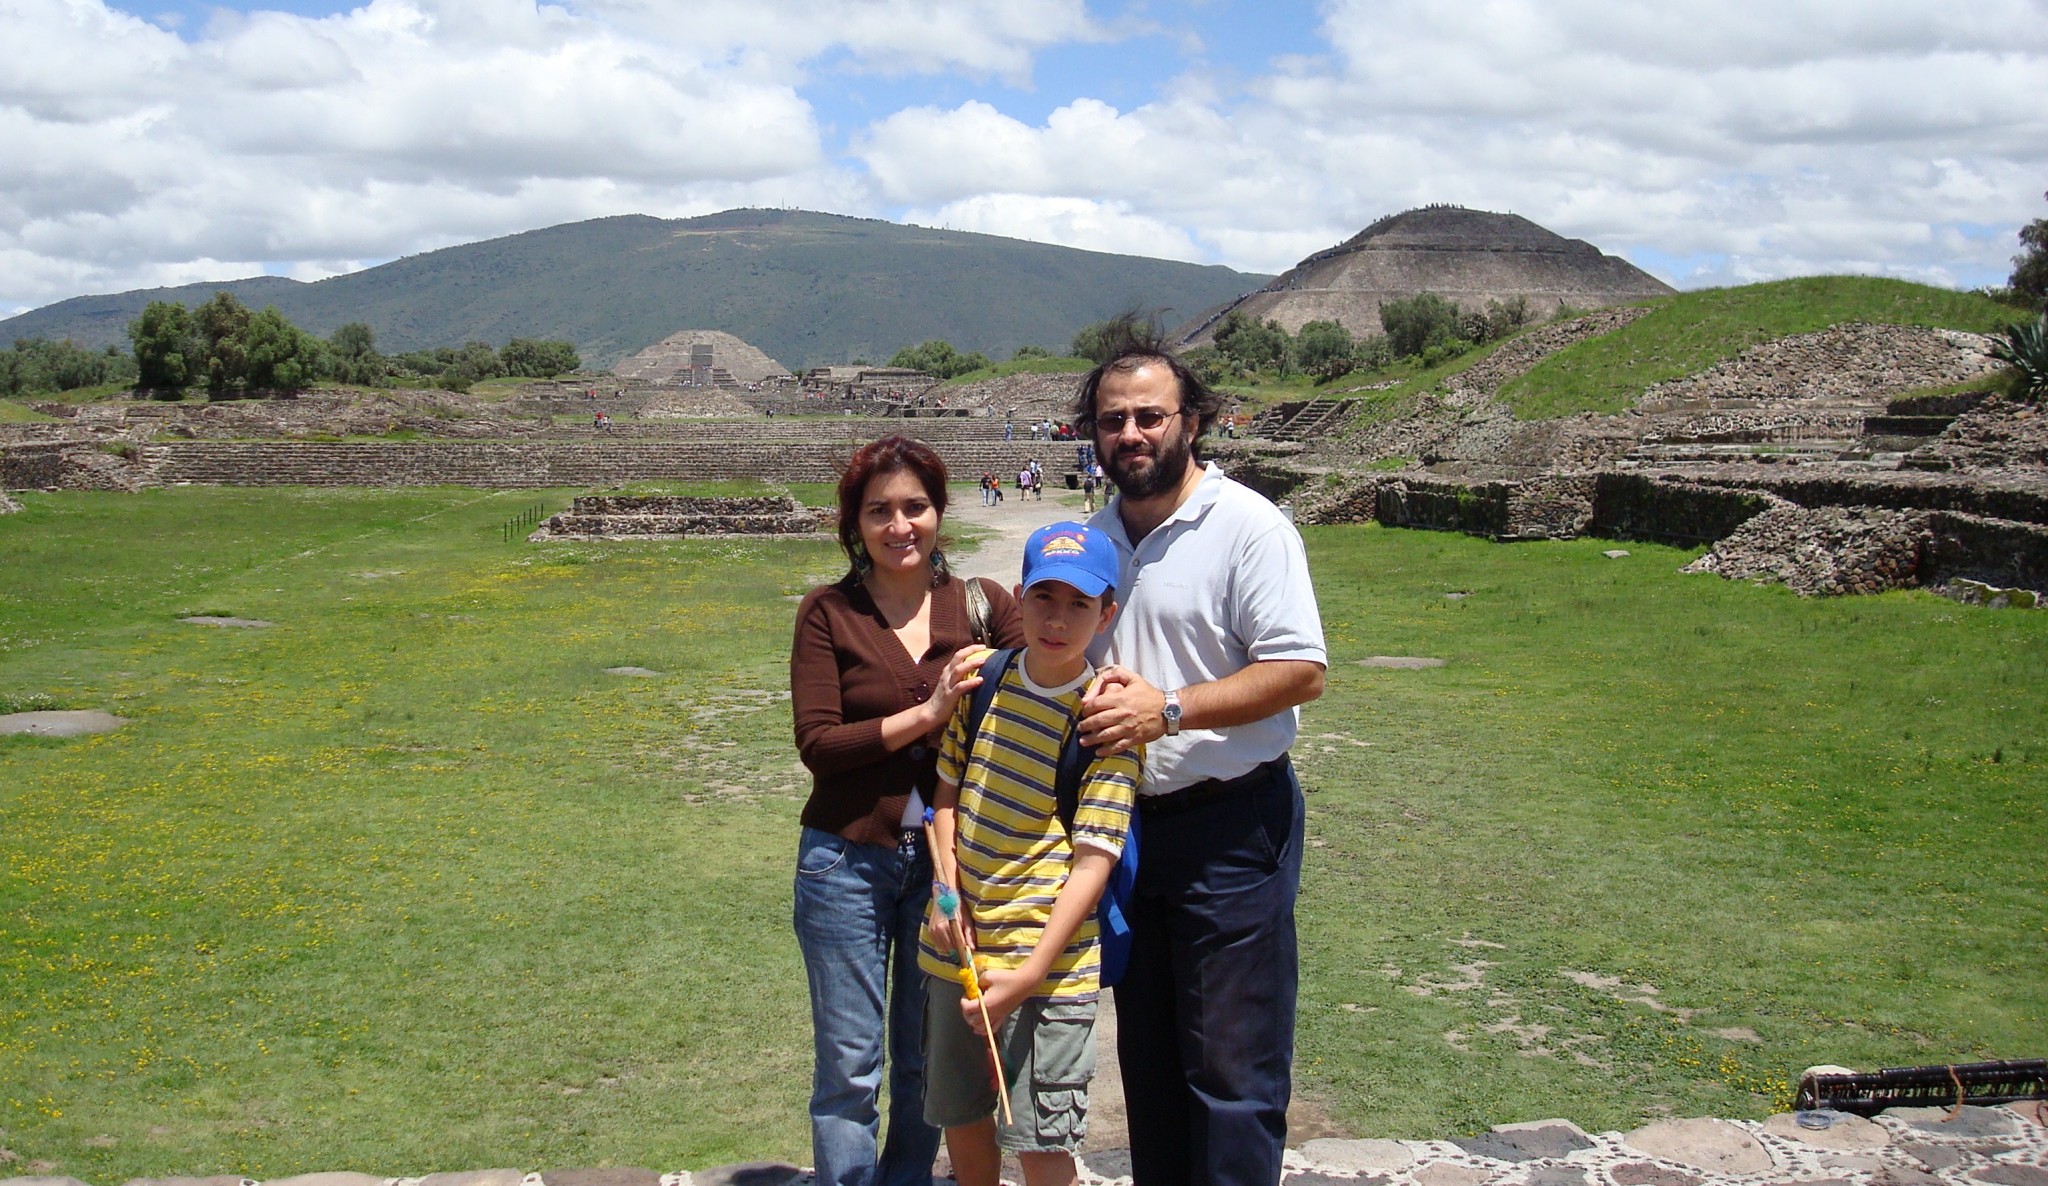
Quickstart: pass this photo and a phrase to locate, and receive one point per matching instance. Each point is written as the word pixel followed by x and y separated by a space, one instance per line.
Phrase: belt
pixel 1211 790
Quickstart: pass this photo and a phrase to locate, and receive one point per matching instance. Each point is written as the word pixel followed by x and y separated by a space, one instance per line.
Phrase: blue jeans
pixel 858 907
pixel 1205 1015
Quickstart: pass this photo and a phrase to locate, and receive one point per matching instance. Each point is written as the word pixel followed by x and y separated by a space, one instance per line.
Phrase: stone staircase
pixel 1301 420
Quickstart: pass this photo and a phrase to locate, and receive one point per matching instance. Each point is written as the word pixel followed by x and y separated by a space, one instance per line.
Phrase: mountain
pixel 1467 256
pixel 809 289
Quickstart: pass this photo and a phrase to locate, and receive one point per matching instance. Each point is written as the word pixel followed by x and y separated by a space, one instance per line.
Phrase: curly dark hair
pixel 1131 340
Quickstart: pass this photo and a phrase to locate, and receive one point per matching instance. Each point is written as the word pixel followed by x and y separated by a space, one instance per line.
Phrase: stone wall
pixel 1853 361
pixel 514 464
pixel 33 466
pixel 1686 514
pixel 1995 551
pixel 614 515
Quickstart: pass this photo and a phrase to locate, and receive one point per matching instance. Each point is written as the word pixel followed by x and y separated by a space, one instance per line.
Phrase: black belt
pixel 1209 790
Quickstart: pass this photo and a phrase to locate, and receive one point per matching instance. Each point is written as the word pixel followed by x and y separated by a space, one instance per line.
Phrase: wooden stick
pixel 970 983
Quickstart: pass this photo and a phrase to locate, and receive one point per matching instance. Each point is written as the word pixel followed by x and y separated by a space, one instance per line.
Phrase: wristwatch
pixel 1172 713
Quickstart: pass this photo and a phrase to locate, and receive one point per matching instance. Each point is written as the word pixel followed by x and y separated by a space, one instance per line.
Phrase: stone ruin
pixel 626 516
pixel 701 358
pixel 1809 460
pixel 1470 257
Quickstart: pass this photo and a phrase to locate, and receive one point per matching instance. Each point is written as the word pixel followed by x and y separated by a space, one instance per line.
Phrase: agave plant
pixel 2024 348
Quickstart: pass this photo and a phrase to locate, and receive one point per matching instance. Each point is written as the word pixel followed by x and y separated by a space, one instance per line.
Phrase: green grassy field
pixel 407 882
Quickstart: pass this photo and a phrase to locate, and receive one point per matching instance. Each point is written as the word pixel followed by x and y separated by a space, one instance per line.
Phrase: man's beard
pixel 1143 477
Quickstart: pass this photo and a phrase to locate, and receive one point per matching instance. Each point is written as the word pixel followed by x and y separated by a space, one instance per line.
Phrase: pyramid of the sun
pixel 1468 256
pixel 680 355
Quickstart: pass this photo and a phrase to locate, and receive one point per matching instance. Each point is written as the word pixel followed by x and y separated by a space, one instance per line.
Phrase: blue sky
pixel 1710 141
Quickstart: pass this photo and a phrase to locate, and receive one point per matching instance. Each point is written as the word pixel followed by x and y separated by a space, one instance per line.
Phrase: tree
pixel 937 357
pixel 1252 345
pixel 1101 341
pixel 1416 323
pixel 460 368
pixel 352 355
pixel 1324 349
pixel 1025 353
pixel 277 355
pixel 2030 267
pixel 539 359
pixel 167 350
pixel 38 365
pixel 223 325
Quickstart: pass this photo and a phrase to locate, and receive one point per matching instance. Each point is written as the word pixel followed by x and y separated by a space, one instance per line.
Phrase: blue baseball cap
pixel 1074 553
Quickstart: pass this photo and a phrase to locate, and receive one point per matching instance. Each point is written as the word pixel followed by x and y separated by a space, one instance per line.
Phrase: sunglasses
pixel 1147 418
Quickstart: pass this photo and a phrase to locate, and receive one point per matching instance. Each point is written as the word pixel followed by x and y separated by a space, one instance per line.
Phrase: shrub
pixel 1324 349
pixel 2024 348
pixel 1414 324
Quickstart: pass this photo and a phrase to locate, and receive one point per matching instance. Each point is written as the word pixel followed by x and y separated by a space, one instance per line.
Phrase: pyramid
pixel 669 359
pixel 1467 256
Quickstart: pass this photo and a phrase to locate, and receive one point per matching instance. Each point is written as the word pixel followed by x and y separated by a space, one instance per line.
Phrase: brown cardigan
pixel 847 671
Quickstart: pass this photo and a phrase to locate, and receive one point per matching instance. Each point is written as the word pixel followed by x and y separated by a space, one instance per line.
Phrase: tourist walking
pixel 878 661
pixel 1218 643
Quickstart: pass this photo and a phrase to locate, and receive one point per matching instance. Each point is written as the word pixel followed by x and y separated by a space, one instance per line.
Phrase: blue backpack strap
pixel 993 669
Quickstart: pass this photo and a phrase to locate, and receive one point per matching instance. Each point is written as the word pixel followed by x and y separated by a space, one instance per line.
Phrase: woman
pixel 879 660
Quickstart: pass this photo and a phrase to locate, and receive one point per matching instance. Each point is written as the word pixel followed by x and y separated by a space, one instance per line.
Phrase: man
pixel 1217 643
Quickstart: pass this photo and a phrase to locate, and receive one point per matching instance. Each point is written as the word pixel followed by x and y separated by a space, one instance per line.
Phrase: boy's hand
pixel 941 927
pixel 1001 991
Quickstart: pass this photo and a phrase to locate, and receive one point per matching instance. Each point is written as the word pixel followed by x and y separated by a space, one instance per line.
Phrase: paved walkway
pixel 2005 1146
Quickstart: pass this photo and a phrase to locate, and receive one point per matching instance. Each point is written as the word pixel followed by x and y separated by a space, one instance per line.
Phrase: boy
pixel 1027 889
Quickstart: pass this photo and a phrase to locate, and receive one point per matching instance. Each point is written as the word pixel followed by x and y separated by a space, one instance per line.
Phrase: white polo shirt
pixel 1222 584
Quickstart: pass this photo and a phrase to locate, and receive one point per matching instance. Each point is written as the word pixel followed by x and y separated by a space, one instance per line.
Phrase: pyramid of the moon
pixel 690 352
pixel 1468 256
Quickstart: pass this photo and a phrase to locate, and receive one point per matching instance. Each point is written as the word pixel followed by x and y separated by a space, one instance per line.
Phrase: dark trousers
pixel 1205 1015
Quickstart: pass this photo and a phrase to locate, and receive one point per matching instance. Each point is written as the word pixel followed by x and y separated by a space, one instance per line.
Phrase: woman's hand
pixel 961 676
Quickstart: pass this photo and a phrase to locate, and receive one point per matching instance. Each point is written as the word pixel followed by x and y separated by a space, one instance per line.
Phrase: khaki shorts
pixel 1048 1048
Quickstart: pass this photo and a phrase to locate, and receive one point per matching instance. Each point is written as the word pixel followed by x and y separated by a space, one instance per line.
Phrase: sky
pixel 1711 142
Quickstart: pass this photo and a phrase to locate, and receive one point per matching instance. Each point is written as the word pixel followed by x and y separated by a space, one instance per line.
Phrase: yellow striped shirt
pixel 1012 849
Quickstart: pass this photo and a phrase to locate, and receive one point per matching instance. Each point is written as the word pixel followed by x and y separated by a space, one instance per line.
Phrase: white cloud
pixel 1793 137
pixel 1070 222
pixel 1731 140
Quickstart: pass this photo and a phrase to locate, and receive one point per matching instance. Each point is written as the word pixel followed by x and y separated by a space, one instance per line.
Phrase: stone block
pixel 209 1180
pixel 334 1178
pixel 1643 1173
pixel 1712 1145
pixel 1847 1132
pixel 1331 1153
pixel 43 1180
pixel 476 1178
pixel 1541 1140
pixel 1444 1173
pixel 602 1176
pixel 752 1173
pixel 2009 1174
pixel 1972 1123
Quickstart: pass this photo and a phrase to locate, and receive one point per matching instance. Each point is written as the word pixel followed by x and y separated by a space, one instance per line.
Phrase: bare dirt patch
pixel 60 723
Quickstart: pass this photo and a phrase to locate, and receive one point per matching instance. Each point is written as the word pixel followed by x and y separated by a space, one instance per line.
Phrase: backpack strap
pixel 993 669
pixel 1074 757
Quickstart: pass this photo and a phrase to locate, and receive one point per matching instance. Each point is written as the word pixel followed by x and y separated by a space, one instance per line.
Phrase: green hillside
pixel 808 289
pixel 1688 333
